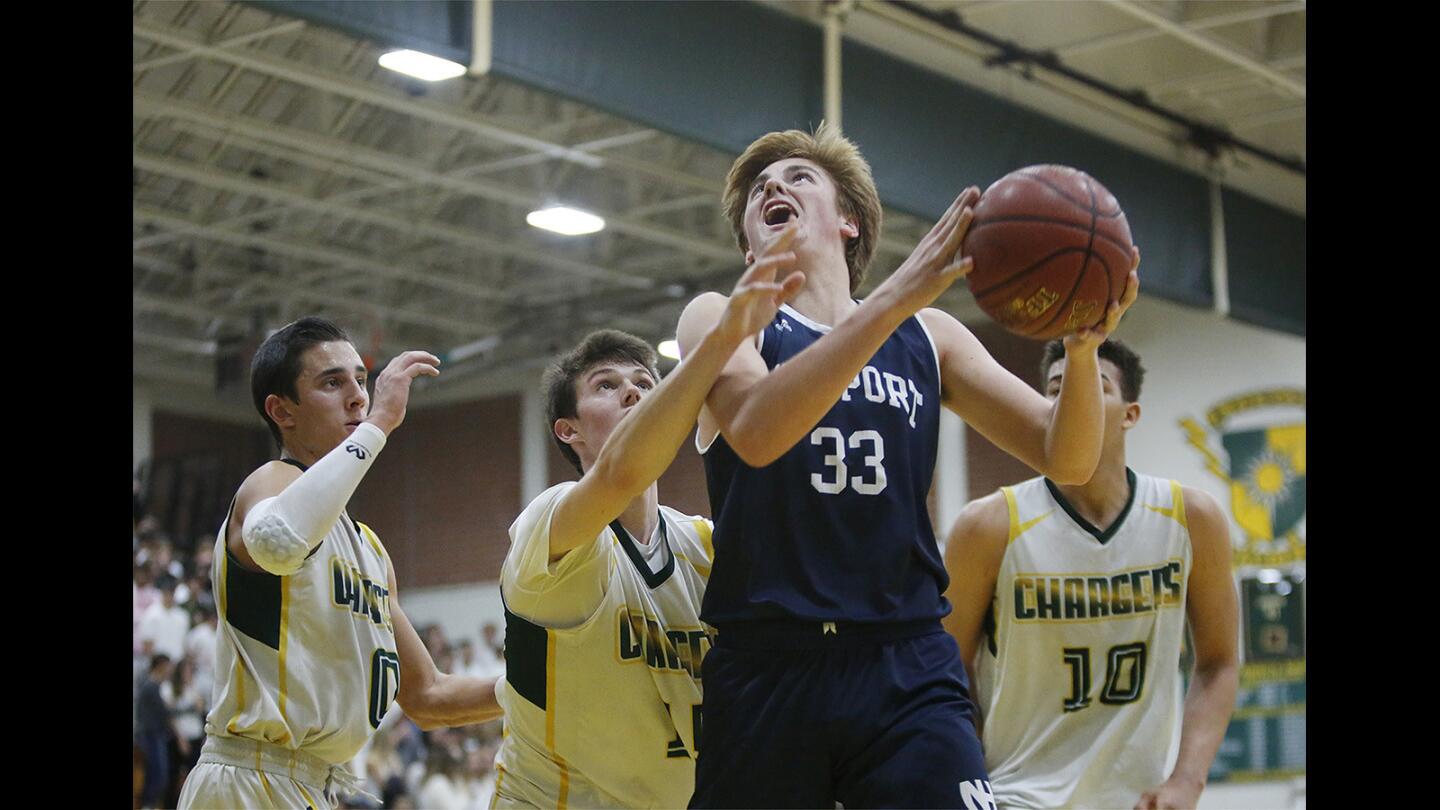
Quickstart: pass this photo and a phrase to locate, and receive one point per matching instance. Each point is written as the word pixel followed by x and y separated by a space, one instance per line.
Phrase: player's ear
pixel 749 257
pixel 849 228
pixel 1132 415
pixel 567 431
pixel 280 410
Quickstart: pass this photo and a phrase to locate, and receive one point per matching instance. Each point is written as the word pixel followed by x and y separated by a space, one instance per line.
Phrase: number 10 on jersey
pixel 1124 675
pixel 836 475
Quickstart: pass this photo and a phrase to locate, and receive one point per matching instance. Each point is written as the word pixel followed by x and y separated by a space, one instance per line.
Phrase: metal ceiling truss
pixel 279 170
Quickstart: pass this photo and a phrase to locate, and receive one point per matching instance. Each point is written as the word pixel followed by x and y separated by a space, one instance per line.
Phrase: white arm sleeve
pixel 281 532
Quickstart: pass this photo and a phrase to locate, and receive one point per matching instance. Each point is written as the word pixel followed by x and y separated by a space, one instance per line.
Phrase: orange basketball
pixel 1051 249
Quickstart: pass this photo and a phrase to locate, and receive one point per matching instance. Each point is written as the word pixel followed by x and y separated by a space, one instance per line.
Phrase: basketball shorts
pixel 798 716
pixel 244 773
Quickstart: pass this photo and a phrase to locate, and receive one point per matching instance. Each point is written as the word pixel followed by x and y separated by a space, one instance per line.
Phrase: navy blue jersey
pixel 837 528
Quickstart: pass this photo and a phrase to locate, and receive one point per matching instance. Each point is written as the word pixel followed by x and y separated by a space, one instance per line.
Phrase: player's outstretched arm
pixel 973 554
pixel 1060 439
pixel 434 699
pixel 1214 616
pixel 281 514
pixel 763 413
pixel 644 443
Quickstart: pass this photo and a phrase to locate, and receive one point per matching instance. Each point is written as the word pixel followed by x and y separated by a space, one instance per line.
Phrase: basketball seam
pixel 1081 203
pixel 1072 225
pixel 1027 271
pixel 1084 268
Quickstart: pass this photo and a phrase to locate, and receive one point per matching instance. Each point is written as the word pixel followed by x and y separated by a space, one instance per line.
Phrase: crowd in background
pixel 173 672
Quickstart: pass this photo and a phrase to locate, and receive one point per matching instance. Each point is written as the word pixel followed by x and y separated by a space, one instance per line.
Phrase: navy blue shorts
pixel 855 717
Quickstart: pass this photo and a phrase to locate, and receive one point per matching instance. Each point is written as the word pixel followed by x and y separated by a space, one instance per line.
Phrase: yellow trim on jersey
pixel 1014 515
pixel 1016 527
pixel 550 716
pixel 374 542
pixel 306 794
pixel 239 675
pixel 265 780
pixel 550 689
pixel 1177 506
pixel 560 803
pixel 284 647
pixel 499 778
pixel 703 530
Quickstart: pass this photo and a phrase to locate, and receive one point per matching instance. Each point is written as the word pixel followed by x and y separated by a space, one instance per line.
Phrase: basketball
pixel 1051 249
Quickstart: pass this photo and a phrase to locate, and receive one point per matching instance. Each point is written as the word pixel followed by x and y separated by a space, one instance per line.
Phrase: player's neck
pixel 825 297
pixel 1101 499
pixel 641 516
pixel 300 454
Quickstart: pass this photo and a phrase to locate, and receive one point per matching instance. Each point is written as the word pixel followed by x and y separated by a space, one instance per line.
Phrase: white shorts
pixel 235 773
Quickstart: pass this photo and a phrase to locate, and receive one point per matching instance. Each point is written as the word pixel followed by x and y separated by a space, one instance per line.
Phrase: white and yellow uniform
pixel 1078 679
pixel 305 668
pixel 602 651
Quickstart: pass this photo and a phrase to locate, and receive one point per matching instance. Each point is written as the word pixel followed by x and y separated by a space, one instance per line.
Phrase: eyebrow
pixel 614 370
pixel 338 370
pixel 791 169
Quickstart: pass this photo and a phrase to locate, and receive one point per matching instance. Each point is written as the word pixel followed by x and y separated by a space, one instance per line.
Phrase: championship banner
pixel 1255 444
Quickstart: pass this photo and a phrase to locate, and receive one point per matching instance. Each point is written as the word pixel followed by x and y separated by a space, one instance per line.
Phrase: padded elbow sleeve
pixel 272 543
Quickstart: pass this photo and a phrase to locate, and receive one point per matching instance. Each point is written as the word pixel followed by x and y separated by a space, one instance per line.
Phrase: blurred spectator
pixel 485 660
pixel 188 705
pixel 154 729
pixel 444 787
pixel 468 663
pixel 480 771
pixel 144 595
pixel 493 643
pixel 434 637
pixel 166 623
pixel 200 647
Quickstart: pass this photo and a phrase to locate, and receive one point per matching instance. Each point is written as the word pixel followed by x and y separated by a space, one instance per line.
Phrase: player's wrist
pixel 1191 779
pixel 380 422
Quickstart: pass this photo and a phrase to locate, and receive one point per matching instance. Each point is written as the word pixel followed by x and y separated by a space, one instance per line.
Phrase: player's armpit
pixel 266 482
pixel 1010 413
pixel 973 554
pixel 744 369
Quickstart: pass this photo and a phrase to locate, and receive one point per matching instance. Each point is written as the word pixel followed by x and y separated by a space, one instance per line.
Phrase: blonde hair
pixel 856 196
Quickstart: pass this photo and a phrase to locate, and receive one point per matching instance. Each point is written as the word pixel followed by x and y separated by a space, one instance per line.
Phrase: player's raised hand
pixel 757 296
pixel 937 261
pixel 1092 336
pixel 392 387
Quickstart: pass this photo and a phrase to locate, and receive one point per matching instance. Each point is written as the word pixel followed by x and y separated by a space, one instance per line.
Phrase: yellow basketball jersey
pixel 604 710
pixel 306 661
pixel 1078 677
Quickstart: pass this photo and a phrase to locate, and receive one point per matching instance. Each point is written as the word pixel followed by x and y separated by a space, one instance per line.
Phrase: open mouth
pixel 778 213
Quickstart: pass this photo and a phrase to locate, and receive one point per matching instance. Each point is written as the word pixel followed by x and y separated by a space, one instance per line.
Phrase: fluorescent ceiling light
pixel 421 65
pixel 569 221
pixel 670 349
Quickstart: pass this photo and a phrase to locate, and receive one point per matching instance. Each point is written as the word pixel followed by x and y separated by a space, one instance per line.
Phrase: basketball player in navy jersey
pixel 831 678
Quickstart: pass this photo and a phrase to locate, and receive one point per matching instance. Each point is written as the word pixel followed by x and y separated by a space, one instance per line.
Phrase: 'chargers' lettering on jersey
pixel 1115 596
pixel 661 647
pixel 882 387
pixel 361 595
